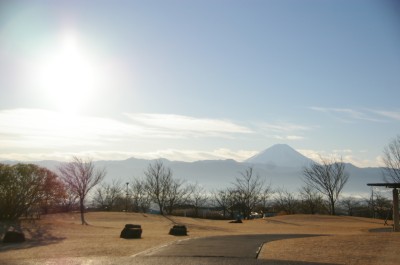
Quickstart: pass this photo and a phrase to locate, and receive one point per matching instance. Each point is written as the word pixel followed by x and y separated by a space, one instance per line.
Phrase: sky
pixel 200 79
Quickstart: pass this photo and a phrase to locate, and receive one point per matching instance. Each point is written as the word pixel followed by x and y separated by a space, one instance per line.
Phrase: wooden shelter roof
pixel 387 185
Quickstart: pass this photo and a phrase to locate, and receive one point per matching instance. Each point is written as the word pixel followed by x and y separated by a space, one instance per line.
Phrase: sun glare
pixel 66 76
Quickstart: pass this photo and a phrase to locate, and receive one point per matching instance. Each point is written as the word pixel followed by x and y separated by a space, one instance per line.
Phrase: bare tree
pixel 264 197
pixel 391 158
pixel 140 197
pixel 328 178
pixel 247 191
pixel 107 195
pixel 350 204
pixel 178 194
pixel 311 200
pixel 198 198
pixel 223 199
pixel 163 189
pixel 158 183
pixel 81 176
pixel 285 201
pixel 381 206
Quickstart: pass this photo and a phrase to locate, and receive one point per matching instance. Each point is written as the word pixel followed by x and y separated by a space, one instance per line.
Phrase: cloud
pixel 185 126
pixel 283 130
pixel 288 137
pixel 294 137
pixel 23 128
pixel 350 115
pixel 196 155
pixel 357 158
pixel 395 115
pixel 343 114
pixel 171 154
pixel 284 127
pixel 41 132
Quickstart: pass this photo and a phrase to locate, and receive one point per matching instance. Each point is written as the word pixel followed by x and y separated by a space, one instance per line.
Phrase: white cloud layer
pixel 356 158
pixel 171 154
pixel 395 115
pixel 351 115
pixel 170 125
pixel 31 134
pixel 33 128
pixel 284 131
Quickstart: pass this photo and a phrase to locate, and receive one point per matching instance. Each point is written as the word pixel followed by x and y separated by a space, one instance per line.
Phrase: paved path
pixel 221 250
pixel 237 246
pixel 232 250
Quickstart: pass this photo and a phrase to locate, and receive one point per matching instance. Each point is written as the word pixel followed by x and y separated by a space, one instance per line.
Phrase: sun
pixel 66 76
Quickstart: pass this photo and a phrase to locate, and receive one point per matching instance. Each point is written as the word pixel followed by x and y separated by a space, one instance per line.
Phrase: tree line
pixel 27 189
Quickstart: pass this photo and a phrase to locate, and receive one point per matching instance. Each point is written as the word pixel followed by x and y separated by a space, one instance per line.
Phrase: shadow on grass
pixel 381 230
pixel 292 262
pixel 282 222
pixel 36 235
pixel 169 218
pixel 210 261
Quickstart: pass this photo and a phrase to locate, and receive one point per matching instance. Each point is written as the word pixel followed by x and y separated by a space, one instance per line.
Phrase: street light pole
pixel 126 198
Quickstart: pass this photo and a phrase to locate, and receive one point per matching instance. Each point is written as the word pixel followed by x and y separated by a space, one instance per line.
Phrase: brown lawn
pixel 341 240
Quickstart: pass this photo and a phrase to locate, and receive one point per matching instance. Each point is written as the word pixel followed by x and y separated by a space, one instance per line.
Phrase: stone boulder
pixel 131 231
pixel 14 237
pixel 178 230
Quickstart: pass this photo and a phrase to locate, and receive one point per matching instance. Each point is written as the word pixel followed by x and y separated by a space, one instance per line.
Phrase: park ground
pixel 338 240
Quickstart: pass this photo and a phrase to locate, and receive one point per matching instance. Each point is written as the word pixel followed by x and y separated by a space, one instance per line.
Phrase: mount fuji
pixel 280 155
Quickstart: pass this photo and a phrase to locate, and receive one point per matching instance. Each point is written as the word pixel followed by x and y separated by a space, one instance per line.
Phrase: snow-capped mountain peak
pixel 281 155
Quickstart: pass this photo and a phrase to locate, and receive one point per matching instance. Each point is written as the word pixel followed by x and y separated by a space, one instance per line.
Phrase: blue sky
pixel 189 80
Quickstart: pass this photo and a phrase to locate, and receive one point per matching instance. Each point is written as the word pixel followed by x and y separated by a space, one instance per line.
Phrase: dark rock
pixel 132 226
pixel 178 230
pixel 131 233
pixel 14 237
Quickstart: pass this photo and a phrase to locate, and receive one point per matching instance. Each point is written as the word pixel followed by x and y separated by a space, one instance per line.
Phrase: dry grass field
pixel 340 240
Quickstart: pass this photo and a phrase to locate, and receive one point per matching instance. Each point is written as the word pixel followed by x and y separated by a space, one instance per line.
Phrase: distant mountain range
pixel 280 164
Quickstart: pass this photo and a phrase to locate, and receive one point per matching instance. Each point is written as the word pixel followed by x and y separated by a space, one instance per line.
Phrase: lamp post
pixel 126 199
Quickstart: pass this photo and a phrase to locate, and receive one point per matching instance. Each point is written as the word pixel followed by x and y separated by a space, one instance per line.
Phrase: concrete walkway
pixel 237 246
